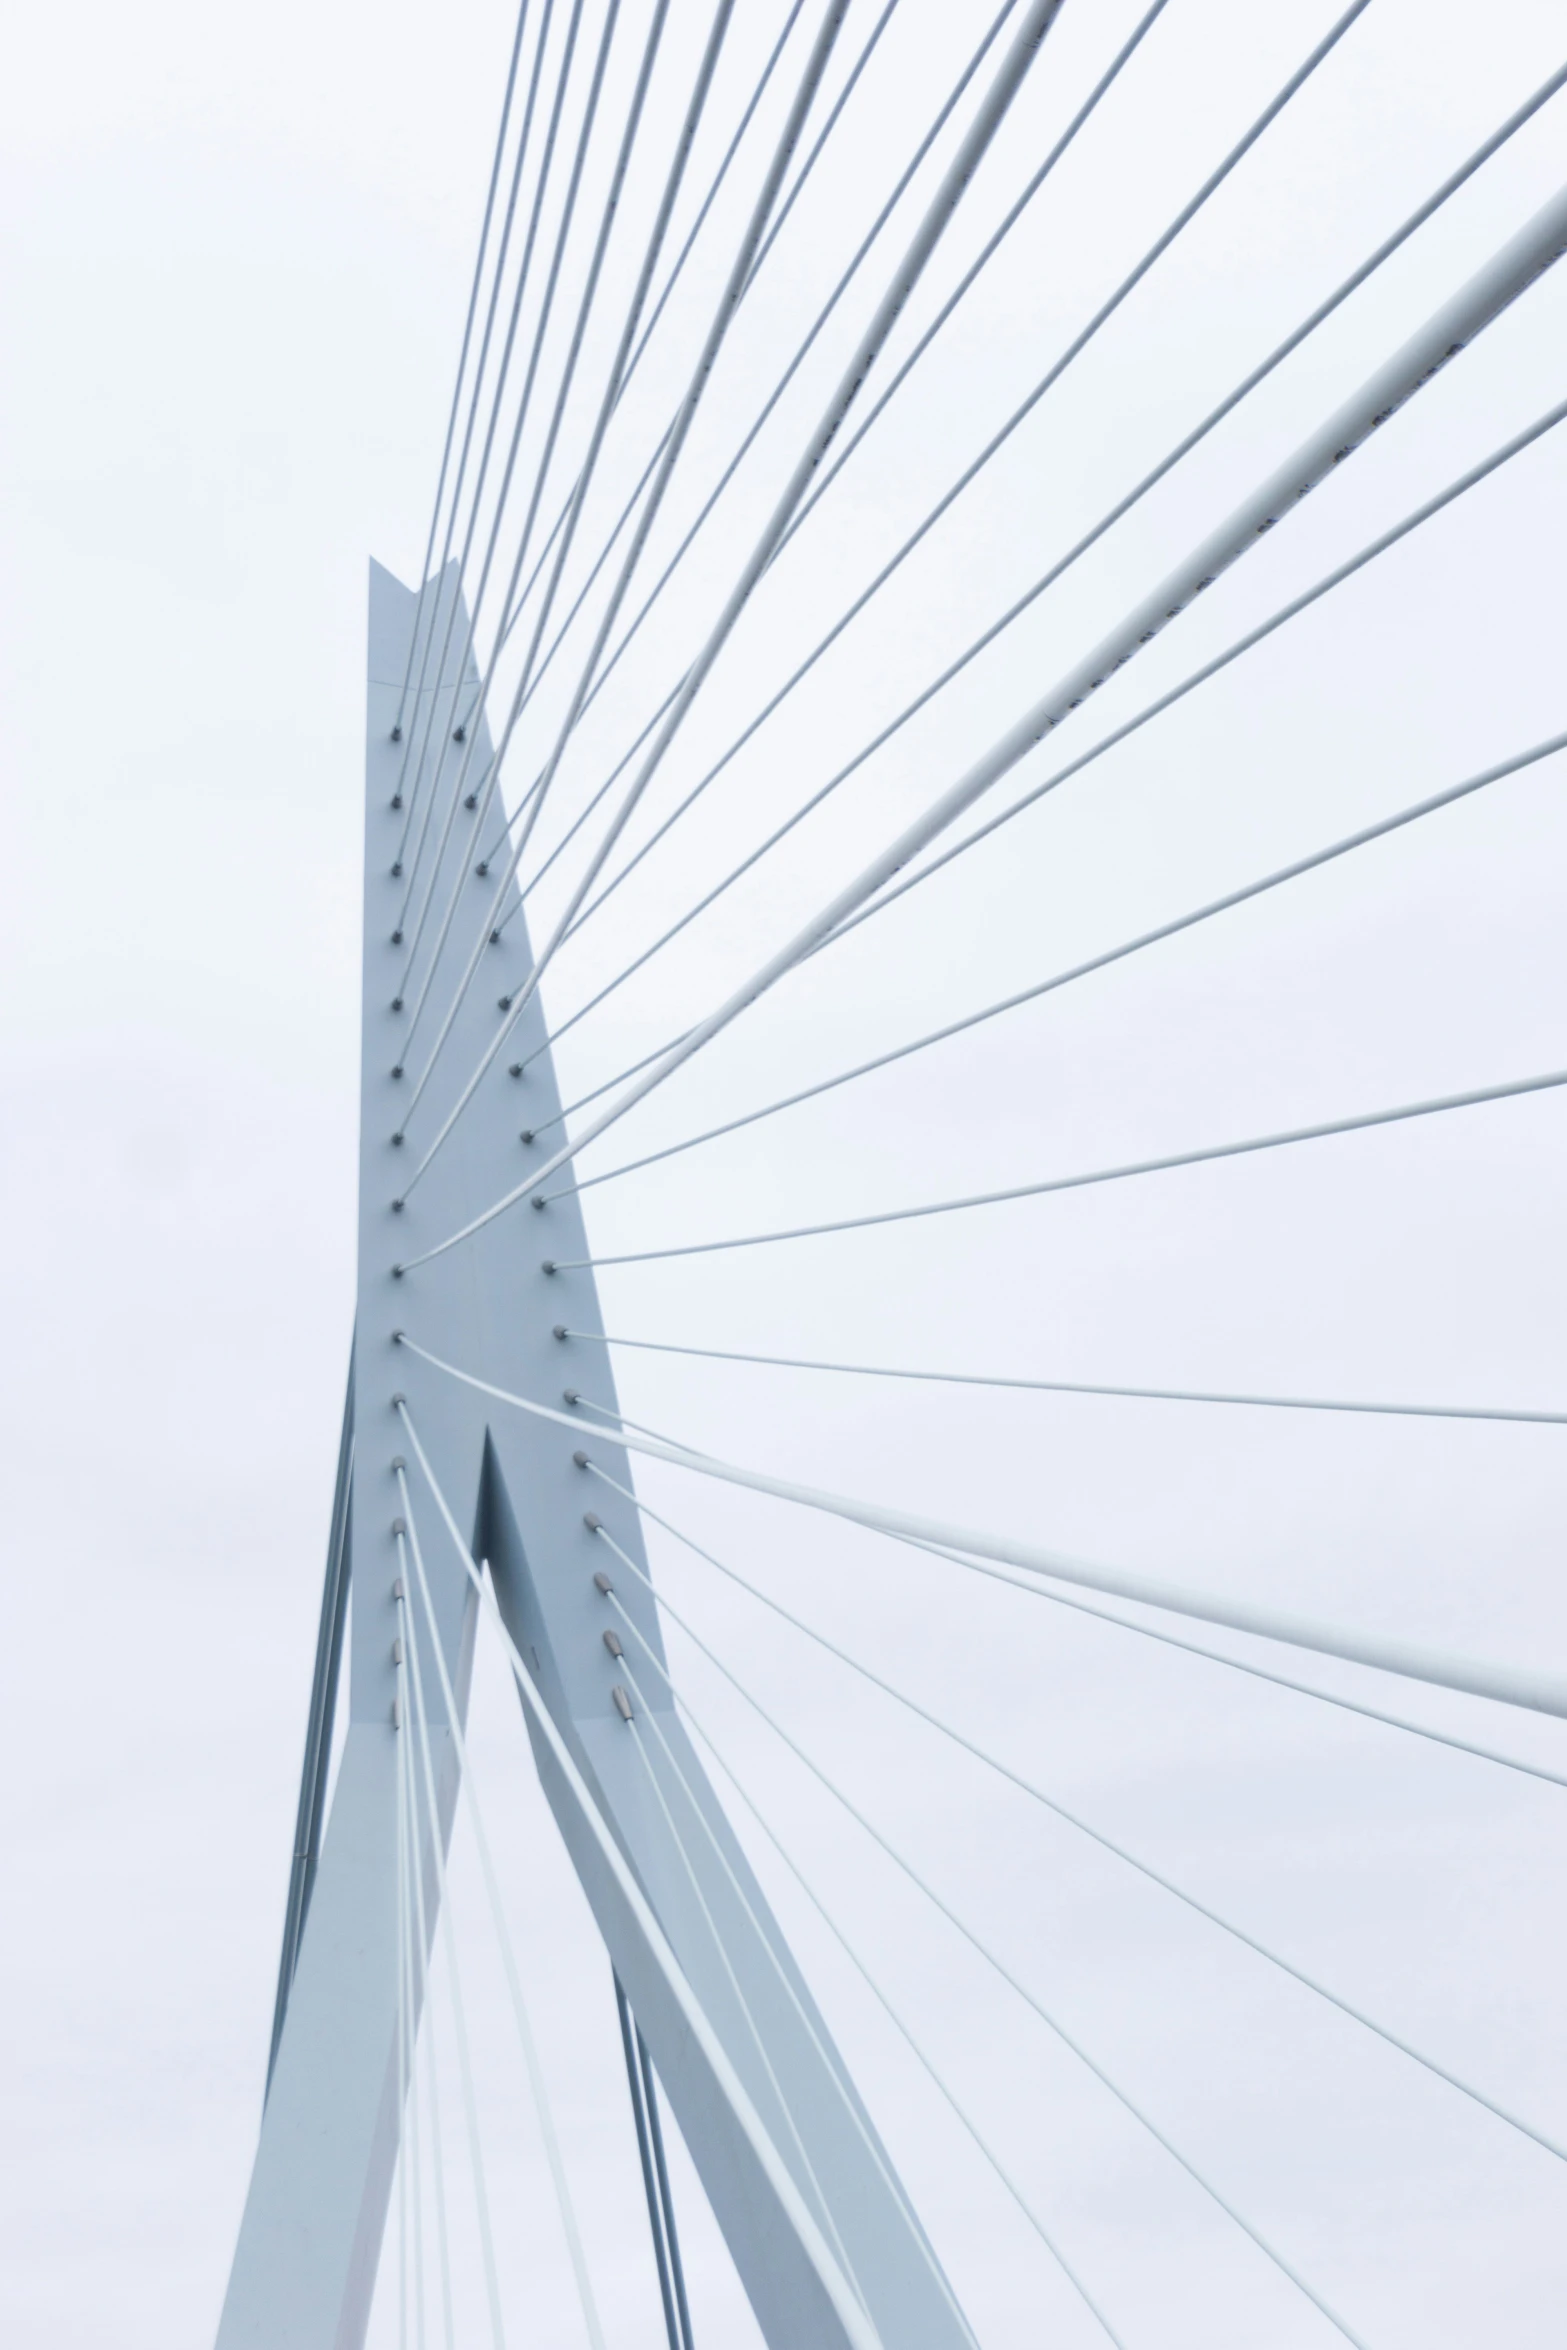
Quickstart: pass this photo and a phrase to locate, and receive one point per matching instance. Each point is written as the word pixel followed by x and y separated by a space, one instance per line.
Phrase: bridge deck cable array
pixel 1058 1760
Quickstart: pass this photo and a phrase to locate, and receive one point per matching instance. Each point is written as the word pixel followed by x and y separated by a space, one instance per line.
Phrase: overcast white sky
pixel 235 263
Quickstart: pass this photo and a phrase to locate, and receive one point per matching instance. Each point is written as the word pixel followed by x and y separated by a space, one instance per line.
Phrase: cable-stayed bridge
pixel 584 724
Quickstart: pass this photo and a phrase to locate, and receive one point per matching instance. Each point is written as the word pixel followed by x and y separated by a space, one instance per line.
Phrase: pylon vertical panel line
pixel 318 1729
pixel 656 2210
pixel 666 2198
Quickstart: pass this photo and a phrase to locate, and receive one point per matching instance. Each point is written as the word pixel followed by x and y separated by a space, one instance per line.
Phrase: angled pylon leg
pixel 319 2193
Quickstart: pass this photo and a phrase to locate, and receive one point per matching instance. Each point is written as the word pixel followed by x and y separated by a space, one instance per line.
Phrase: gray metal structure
pixel 825 2241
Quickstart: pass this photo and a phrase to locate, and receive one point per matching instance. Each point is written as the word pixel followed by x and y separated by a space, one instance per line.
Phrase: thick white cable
pixel 1491 291
pixel 828 2056
pixel 874 1987
pixel 1015 1983
pixel 1035 1590
pixel 419 1993
pixel 1209 1154
pixel 797 185
pixel 1038 17
pixel 1235 1664
pixel 1277 1403
pixel 537 2083
pixel 1505 1684
pixel 1052 375
pixel 1200 676
pixel 462 362
pixel 412 2004
pixel 722 317
pixel 492 2282
pixel 571 513
pixel 1085 1827
pixel 1031 594
pixel 1210 669
pixel 1325 46
pixel 1100 962
pixel 824 2208
pixel 860 2333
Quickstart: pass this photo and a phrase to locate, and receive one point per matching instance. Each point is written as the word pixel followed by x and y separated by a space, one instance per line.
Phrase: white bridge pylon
pixel 309 2244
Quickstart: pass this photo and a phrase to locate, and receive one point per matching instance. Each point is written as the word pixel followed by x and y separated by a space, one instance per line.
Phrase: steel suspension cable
pixel 421 2005
pixel 572 512
pixel 1235 1664
pixel 987 41
pixel 795 190
pixel 828 2056
pixel 797 185
pixel 1036 22
pixel 541 331
pixel 845 278
pixel 619 374
pixel 1163 931
pixel 1526 257
pixel 1053 2024
pixel 1216 1656
pixel 661 464
pixel 753 2030
pixel 1503 1684
pixel 399 1726
pixel 1052 375
pixel 462 364
pixel 454 1975
pixel 1084 1826
pixel 1284 1403
pixel 1285 1139
pixel 407 1825
pixel 816 64
pixel 1210 669
pixel 655 2177
pixel 834 2285
pixel 519 291
pixel 410 774
pixel 985 2148
pixel 1048 579
pixel 1200 676
pixel 669 286
pixel 628 508
pixel 570 834
pixel 537 2083
pixel 889 391
pixel 849 2102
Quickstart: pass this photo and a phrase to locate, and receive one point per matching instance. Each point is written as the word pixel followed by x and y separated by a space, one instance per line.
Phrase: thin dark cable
pixel 722 318
pixel 1076 1820
pixel 1281 1403
pixel 998 439
pixel 586 470
pixel 1037 20
pixel 535 358
pixel 462 360
pixel 1057 570
pixel 524 272
pixel 1095 963
pixel 405 786
pixel 1020 1191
